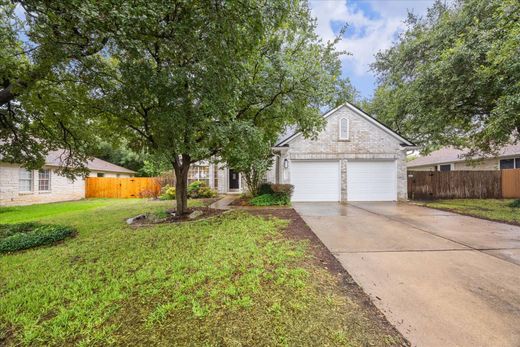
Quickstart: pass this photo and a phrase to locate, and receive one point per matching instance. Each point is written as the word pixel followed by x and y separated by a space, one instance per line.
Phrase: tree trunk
pixel 251 178
pixel 181 186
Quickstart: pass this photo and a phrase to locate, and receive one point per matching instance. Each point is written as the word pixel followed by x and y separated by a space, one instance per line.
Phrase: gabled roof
pixel 290 135
pixel 96 164
pixel 450 155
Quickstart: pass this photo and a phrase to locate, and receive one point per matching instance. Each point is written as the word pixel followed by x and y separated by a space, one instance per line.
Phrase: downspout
pixel 277 166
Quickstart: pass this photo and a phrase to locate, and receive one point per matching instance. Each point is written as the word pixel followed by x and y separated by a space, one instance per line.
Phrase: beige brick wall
pixel 484 165
pixel 367 141
pixel 422 168
pixel 488 164
pixel 62 189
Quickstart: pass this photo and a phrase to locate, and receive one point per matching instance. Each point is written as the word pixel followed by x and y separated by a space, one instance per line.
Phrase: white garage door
pixel 315 180
pixel 371 181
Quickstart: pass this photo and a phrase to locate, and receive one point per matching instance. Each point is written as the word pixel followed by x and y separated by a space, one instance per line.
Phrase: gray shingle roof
pixel 450 154
pixel 96 164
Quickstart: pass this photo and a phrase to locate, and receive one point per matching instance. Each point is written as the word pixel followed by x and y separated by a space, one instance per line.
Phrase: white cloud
pixel 368 33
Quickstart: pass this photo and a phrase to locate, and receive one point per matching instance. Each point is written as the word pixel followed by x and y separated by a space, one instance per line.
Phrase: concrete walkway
pixel 223 203
pixel 441 278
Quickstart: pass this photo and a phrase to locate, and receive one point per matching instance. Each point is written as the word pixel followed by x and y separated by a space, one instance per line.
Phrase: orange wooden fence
pixel 134 187
pixel 511 183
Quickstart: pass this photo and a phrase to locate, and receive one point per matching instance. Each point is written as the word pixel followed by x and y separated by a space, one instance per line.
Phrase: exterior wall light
pixel 285 163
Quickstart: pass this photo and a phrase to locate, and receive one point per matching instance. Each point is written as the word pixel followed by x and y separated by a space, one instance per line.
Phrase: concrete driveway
pixel 441 278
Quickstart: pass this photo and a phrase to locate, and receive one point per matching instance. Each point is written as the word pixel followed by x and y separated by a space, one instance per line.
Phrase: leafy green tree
pixel 191 78
pixel 54 36
pixel 121 153
pixel 182 81
pixel 252 157
pixel 453 77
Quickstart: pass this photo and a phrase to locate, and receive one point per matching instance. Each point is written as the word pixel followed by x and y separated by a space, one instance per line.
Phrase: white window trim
pixel 32 182
pixel 452 166
pixel 50 181
pixel 346 138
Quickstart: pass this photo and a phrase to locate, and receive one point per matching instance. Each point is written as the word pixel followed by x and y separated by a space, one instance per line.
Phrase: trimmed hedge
pixel 7 230
pixel 265 188
pixel 15 237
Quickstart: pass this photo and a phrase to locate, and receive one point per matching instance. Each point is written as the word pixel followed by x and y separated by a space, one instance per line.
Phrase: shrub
pixel 11 229
pixel 149 194
pixel 167 193
pixel 271 200
pixel 515 203
pixel 283 192
pixel 286 189
pixel 265 188
pixel 16 237
pixel 199 189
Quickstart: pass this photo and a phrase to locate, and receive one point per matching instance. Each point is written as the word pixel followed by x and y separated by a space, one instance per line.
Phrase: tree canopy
pixel 453 77
pixel 183 81
pixel 39 40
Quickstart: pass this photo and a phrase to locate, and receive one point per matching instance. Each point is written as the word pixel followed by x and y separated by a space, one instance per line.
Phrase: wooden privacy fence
pixel 133 187
pixel 423 185
pixel 511 183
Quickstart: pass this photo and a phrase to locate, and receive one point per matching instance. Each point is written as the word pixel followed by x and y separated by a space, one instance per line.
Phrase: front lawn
pixel 497 210
pixel 18 214
pixel 233 280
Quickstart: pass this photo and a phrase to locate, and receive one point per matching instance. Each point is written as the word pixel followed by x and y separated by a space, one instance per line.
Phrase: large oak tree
pixel 453 77
pixel 184 80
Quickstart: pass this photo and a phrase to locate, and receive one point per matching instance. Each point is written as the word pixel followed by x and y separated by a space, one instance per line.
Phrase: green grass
pixel 24 213
pixel 233 280
pixel 498 210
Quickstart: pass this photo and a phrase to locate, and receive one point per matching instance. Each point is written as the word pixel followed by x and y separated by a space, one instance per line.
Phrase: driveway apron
pixel 441 278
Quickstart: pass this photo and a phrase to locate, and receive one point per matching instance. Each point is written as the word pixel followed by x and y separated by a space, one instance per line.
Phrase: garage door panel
pixel 315 180
pixel 371 181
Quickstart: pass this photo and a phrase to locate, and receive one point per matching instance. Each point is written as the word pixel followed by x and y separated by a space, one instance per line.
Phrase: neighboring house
pixel 451 159
pixel 355 158
pixel 19 186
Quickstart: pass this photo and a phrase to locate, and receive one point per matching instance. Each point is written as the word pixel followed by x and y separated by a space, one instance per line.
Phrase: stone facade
pixel 367 141
pixel 61 188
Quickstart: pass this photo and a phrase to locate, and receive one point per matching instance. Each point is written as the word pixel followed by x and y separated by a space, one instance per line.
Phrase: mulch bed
pixel 299 230
pixel 206 213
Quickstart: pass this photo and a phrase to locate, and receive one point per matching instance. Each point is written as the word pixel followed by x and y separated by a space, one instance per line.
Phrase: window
pixel 44 180
pixel 513 163
pixel 100 174
pixel 199 172
pixel 344 129
pixel 445 167
pixel 25 181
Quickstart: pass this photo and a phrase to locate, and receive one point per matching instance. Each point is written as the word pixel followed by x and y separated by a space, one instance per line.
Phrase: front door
pixel 233 179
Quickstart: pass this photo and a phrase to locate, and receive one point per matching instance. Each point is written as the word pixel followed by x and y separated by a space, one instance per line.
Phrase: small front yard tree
pixel 187 80
pixel 252 157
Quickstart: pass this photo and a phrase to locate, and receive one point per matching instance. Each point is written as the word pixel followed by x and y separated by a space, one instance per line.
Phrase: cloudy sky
pixel 372 26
